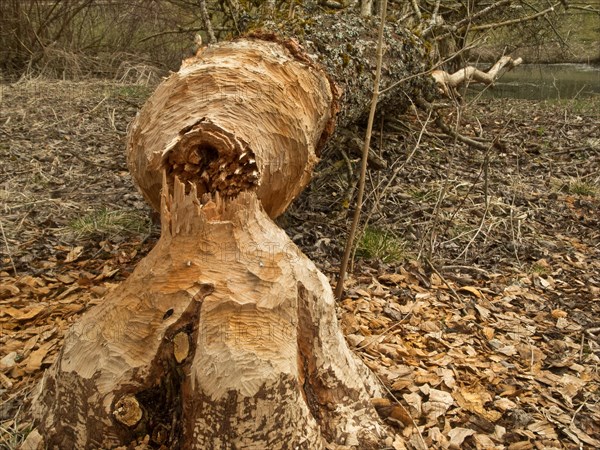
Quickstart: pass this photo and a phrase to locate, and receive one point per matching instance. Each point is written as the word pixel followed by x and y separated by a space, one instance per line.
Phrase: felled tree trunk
pixel 341 47
pixel 225 336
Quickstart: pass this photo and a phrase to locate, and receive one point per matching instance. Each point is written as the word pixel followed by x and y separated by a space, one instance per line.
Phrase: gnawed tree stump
pixel 225 336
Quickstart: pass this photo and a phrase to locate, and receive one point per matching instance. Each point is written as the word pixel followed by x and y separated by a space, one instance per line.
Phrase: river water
pixel 545 81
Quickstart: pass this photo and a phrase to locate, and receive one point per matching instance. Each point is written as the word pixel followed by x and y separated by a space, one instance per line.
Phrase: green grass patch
pixel 105 222
pixel 538 269
pixel 13 433
pixel 133 91
pixel 422 194
pixel 378 244
pixel 588 105
pixel 579 187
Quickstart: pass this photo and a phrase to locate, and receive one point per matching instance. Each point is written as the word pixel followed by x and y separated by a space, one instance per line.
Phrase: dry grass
pixel 510 221
pixel 64 151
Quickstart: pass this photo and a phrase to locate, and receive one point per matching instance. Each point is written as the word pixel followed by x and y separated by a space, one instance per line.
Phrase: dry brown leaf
pixel 402 383
pixel 483 312
pixel 488 332
pixel 505 404
pixel 521 445
pixel 31 342
pixel 436 436
pixel 558 313
pixel 25 313
pixel 595 443
pixel 65 278
pixel 430 327
pixel 31 281
pixel 458 435
pixel 530 354
pixel 68 291
pixel 390 350
pixel 392 278
pixel 5 381
pixel 415 402
pixel 474 400
pixel 35 359
pixel 400 414
pixel 471 290
pixel 436 280
pixel 427 378
pixel 8 290
pixel 438 404
pixel 415 439
pixel 8 361
pixel 74 254
pixel 107 272
pixel 483 441
pixel 543 428
pixel 363 293
pixel 380 402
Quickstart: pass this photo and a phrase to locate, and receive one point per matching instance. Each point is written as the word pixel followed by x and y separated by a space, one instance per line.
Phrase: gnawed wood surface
pixel 267 367
pixel 251 115
pixel 446 81
pixel 272 97
pixel 226 336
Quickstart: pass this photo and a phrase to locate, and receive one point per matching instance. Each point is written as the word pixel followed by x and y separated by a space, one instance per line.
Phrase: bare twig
pixel 514 21
pixel 363 168
pixel 177 31
pixel 466 74
pixel 207 23
pixel 486 164
pixel 481 13
pixel 8 249
pixel 416 8
pixel 466 22
pixel 459 137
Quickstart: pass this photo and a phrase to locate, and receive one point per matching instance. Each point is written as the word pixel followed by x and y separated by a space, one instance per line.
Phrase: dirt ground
pixel 475 294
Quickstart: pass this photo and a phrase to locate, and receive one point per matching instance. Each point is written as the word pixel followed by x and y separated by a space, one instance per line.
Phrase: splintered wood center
pixel 212 160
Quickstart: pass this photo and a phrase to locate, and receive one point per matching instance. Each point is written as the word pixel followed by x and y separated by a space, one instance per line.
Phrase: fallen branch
pixel 452 133
pixel 446 81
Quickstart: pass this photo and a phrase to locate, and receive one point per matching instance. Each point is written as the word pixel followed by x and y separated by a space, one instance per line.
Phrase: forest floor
pixel 475 293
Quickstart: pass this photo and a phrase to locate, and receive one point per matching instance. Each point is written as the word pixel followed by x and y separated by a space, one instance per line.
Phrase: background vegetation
pixel 127 39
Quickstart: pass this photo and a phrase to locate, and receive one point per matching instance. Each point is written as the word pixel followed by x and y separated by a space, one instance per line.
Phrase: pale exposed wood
pixel 268 365
pixel 261 109
pixel 470 73
pixel 225 335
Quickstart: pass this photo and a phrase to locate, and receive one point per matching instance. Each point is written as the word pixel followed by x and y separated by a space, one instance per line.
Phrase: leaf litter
pixel 485 334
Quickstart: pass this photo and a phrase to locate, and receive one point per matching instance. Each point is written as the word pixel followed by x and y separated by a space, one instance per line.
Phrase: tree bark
pixel 225 336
